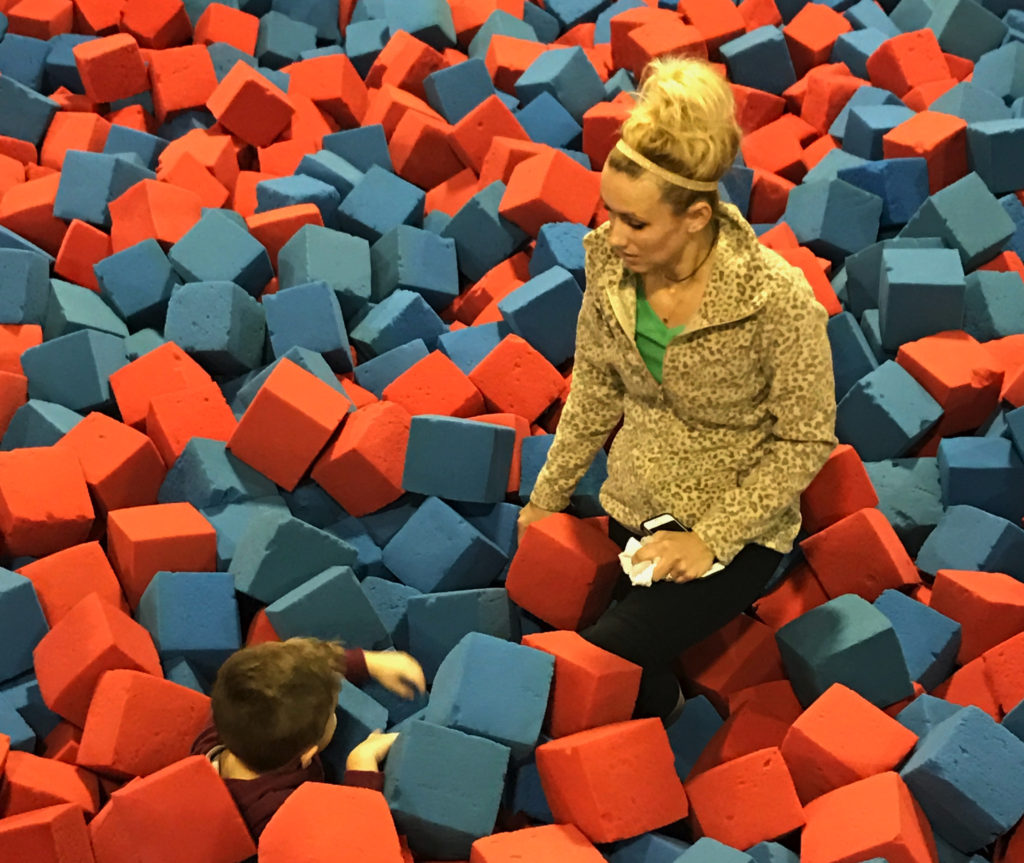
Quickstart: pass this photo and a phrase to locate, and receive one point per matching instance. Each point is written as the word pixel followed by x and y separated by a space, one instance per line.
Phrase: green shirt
pixel 652 336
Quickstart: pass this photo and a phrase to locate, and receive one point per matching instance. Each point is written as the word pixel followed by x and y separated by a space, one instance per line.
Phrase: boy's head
pixel 275 702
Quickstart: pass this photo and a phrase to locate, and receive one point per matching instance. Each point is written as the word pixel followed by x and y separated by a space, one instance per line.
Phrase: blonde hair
pixel 684 121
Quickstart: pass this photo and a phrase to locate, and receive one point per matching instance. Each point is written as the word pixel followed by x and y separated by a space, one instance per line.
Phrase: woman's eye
pixel 637 226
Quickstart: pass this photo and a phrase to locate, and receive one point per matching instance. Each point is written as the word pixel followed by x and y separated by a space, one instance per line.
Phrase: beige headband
pixel 667 176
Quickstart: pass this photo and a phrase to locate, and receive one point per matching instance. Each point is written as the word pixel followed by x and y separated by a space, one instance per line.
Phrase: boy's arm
pixel 355 666
pixel 372 779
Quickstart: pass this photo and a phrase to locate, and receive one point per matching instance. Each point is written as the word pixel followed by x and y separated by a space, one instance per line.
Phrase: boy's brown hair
pixel 272 701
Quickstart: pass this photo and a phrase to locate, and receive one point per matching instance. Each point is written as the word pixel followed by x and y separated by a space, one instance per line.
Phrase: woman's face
pixel 645 231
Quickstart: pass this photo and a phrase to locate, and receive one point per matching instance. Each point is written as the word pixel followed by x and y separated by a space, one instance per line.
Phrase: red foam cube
pixel 72 130
pixel 860 554
pixel 989 606
pixel 421 152
pixel 138 724
pixel 40 19
pixel 591 687
pixel 92 638
pixel 718 21
pixel 636 47
pixel 971 685
pixel 331 822
pixel 471 137
pixel 906 61
pixel 508 57
pixel 111 67
pixel 435 385
pixel 274 228
pixel 152 210
pixel 61 580
pixel 44 501
pixel 811 33
pixel 165 369
pixel 362 467
pixel 157 23
pixel 404 62
pixel 499 281
pixel 143 540
pixel 564 571
pixel 841 738
pixel 515 378
pixel 741 654
pixel 174 418
pixel 875 817
pixel 613 782
pixel 549 187
pixel 521 427
pixel 220 23
pixel 1003 670
pixel 15 339
pixel 31 782
pixel 249 106
pixel 549 843
pixel 841 487
pixel 747 800
pixel 333 84
pixel 27 209
pixel 941 139
pixel 180 814
pixel 180 79
pixel 799 592
pixel 83 246
pixel 13 394
pixel 287 424
pixel 601 125
pixel 53 834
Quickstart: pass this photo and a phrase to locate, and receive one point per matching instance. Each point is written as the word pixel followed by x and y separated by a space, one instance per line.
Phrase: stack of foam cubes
pixel 287 303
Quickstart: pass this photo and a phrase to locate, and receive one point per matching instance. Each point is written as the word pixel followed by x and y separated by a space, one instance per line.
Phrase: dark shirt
pixel 258 799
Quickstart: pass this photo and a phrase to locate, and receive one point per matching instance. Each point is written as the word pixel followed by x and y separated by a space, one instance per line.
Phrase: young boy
pixel 274 711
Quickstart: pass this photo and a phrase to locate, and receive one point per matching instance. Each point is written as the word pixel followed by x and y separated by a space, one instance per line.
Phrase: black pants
pixel 651 626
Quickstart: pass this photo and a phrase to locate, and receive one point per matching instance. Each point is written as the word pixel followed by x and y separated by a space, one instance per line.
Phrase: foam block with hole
pixel 51 834
pixel 437 549
pixel 144 540
pixel 968 538
pixel 861 652
pixel 174 418
pixel 591 686
pixel 92 638
pixel 335 822
pixel 988 606
pixel 841 738
pixel 44 501
pixel 746 800
pixel 138 724
pixel 928 638
pixel 494 689
pixel 879 818
pixel 183 811
pixel 122 467
pixel 278 552
pixel 330 606
pixel 962 773
pixel 25 623
pixel 287 424
pixel 444 787
pixel 192 615
pixel 435 385
pixel 58 594
pixel 436 622
pixel 613 782
pixel 484 451
pixel 587 567
pixel 860 554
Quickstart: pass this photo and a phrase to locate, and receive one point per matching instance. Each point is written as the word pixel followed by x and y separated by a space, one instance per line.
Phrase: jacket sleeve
pixel 592 409
pixel 801 399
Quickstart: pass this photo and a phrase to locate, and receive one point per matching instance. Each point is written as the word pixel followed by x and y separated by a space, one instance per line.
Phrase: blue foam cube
pixel 458 459
pixel 921 293
pixel 861 97
pixel 330 606
pixel 281 39
pixel 648 848
pixel 308 316
pixel 866 125
pixel 566 74
pixel 436 550
pixel 314 506
pixel 852 357
pixel 560 244
pixel 362 147
pixel 216 249
pixel 38 423
pixel 902 184
pixel 317 253
pixel 468 346
pixel 992 148
pixel 193 616
pixel 429 21
pixel 90 181
pixel 444 788
pixel 379 202
pixel 691 732
pixel 12 724
pixel 483 238
pixel 533 454
pixel 970 538
pixel 71 307
pixel 24 113
pixel 412 259
pixel 230 520
pixel 501 23
pixel 929 640
pixel 966 28
pixel 846 640
pixel 23 58
pixel 497 521
pixel 219 324
pixel 965 775
pixel 278 552
pixel 569 13
pixel 772 852
pixel 438 621
pixel 546 121
pixel 866 14
pixel 972 103
pixel 358 714
pixel 864 271
pixel 708 850
pixel 925 712
pixel 543 311
pixel 985 472
pixel 298 189
pixel 543 23
pixel 494 689
pixel 321 14
pixel 137 283
pixel 26 287
pixel 206 474
pixel 456 90
pixel 124 140
pixel 329 168
pixel 309 360
pixel 528 794
pixel 908 496
pixel 74 370
pixel 364 40
pixel 11 240
pixel 399 318
pixel 967 217
pixel 760 58
pixel 1014 720
pixel 1015 210
pixel 390 601
pixel 23 623
pixel 383 524
pixel 376 373
pixel 832 217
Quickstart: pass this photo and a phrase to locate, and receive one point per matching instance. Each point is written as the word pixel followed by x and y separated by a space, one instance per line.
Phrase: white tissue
pixel 640 573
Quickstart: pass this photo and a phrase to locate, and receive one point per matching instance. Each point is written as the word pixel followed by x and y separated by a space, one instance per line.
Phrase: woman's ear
pixel 698 214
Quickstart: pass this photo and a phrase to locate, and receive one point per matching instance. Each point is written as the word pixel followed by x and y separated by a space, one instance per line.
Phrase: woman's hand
pixel 528 515
pixel 396 671
pixel 369 754
pixel 681 556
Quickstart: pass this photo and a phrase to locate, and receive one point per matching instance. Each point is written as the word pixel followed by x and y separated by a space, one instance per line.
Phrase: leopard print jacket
pixel 743 419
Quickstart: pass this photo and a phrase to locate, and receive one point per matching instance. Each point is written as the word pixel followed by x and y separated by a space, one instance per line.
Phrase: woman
pixel 713 352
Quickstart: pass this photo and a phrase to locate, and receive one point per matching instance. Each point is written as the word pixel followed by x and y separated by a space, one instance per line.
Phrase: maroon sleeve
pixel 372 779
pixel 355 666
pixel 207 739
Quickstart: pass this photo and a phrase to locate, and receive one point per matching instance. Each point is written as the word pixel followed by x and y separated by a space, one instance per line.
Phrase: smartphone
pixel 665 521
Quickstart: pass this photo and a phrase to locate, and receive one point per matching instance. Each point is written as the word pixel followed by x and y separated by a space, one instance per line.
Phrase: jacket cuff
pixel 372 779
pixel 355 666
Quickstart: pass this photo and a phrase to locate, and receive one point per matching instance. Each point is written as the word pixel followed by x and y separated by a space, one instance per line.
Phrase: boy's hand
pixel 369 754
pixel 396 671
